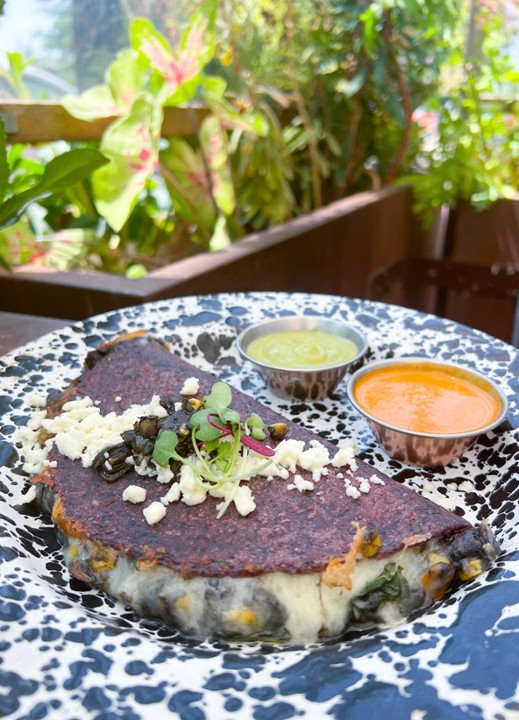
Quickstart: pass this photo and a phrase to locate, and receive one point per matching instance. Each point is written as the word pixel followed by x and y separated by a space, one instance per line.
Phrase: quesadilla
pixel 195 504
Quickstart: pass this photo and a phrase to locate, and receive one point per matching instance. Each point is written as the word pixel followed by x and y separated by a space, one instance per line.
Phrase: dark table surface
pixel 17 330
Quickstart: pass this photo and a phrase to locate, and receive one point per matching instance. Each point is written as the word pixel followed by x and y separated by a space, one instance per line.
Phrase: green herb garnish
pixel 221 443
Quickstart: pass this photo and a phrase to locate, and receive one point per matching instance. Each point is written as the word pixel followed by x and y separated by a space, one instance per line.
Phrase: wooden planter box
pixel 470 276
pixel 489 239
pixel 367 246
pixel 332 250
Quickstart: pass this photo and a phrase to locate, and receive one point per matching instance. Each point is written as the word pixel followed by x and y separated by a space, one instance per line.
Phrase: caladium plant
pixel 299 109
pixel 142 81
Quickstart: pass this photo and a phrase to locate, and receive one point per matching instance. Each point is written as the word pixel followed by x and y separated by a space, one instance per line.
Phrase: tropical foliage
pixel 303 103
pixel 471 125
pixel 24 181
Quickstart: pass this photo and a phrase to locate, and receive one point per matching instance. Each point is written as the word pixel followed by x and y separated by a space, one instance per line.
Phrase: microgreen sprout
pixel 221 444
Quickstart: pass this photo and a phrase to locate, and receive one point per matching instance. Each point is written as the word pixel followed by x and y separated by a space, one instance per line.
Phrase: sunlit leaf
pixel 64 248
pixel 60 174
pixel 178 67
pixel 232 118
pixel 351 87
pixel 131 145
pixel 136 271
pixel 220 238
pixel 214 87
pixel 97 102
pixel 126 78
pixel 214 145
pixel 17 67
pixel 186 178
pixel 511 76
pixel 18 245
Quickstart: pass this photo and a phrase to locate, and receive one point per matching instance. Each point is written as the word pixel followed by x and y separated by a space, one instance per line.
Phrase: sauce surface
pixel 427 398
pixel 298 349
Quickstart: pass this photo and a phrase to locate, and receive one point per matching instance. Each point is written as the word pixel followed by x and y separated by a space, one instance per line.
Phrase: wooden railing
pixel 332 250
pixel 38 122
pixel 368 245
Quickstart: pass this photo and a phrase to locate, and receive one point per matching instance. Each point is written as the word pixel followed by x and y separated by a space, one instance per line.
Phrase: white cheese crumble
pixel 345 456
pixel 154 512
pixel 145 468
pixel 134 494
pixel 300 484
pixel 172 495
pixel 80 431
pixel 190 387
pixel 164 474
pixel 352 492
pixel 291 454
pixel 363 486
pixel 376 480
pixel 244 500
pixel 240 495
pixel 35 457
pixel 193 493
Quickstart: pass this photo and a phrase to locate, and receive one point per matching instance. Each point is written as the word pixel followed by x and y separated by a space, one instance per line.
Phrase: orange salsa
pixel 428 398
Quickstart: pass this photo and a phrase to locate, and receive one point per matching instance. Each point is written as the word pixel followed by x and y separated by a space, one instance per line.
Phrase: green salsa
pixel 298 349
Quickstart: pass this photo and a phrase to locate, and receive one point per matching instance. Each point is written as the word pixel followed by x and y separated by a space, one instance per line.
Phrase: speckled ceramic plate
pixel 70 652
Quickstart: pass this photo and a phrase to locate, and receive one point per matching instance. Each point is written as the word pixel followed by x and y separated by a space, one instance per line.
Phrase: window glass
pixel 72 42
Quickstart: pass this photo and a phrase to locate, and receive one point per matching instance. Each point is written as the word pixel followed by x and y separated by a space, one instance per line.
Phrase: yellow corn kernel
pixel 470 569
pixel 245 617
pixel 435 558
pixel 371 544
pixel 102 564
pixel 439 576
pixel 183 603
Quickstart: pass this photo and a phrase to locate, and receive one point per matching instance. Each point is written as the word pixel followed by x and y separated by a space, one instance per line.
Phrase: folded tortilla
pixel 305 564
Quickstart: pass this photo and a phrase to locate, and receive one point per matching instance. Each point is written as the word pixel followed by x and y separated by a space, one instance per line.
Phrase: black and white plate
pixel 70 652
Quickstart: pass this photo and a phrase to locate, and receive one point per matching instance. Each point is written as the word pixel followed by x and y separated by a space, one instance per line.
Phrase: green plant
pixel 304 107
pixel 24 181
pixel 347 75
pixel 141 82
pixel 303 103
pixel 472 150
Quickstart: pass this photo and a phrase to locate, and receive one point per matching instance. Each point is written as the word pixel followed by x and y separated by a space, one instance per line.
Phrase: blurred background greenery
pixel 307 102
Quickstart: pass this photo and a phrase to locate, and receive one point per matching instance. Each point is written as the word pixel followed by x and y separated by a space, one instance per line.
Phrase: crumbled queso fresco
pixel 190 386
pixel 80 433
